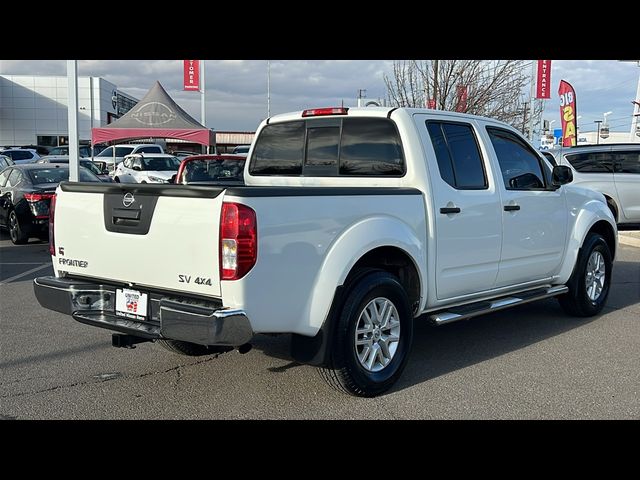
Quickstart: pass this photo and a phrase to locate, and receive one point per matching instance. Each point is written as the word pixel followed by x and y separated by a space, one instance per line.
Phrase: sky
pixel 237 89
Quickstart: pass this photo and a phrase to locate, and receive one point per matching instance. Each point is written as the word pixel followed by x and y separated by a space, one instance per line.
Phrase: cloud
pixel 237 89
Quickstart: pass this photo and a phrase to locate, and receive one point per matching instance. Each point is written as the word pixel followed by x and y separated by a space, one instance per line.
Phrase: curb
pixel 628 240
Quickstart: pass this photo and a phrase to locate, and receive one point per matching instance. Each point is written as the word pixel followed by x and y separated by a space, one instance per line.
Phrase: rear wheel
pixel 373 337
pixel 17 234
pixel 191 349
pixel 591 278
pixel 116 179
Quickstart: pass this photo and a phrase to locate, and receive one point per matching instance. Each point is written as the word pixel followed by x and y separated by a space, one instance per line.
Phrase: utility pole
pixel 203 105
pixel 598 133
pixel 533 79
pixel 72 118
pixel 268 88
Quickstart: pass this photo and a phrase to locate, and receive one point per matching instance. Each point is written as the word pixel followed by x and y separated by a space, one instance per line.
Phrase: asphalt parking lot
pixel 531 362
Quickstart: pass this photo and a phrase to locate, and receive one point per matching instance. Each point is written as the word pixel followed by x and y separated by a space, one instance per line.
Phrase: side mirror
pixel 561 175
pixel 136 168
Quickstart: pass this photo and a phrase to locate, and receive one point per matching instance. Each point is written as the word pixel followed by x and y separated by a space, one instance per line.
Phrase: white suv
pixel 151 168
pixel 114 154
pixel 613 170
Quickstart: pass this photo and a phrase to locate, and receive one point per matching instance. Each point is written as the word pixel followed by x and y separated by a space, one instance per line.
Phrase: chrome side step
pixel 464 312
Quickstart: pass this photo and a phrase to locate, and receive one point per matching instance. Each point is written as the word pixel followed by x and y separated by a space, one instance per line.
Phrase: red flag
pixel 568 114
pixel 192 74
pixel 543 83
pixel 461 92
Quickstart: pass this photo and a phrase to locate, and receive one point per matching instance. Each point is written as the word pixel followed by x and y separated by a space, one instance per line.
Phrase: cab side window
pixel 4 176
pixel 15 178
pixel 520 166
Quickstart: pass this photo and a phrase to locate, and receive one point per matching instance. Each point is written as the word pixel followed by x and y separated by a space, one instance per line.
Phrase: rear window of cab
pixel 329 147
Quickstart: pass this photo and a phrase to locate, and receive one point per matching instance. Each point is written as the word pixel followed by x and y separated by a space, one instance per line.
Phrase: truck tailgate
pixel 157 236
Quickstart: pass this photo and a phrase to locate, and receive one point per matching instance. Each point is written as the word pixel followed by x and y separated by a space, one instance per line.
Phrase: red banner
pixel 192 74
pixel 543 84
pixel 568 114
pixel 461 93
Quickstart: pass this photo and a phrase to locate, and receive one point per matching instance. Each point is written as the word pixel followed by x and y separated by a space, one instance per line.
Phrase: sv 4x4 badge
pixel 197 280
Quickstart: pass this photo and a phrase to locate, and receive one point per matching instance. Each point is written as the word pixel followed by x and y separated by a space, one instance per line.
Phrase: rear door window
pixel 628 162
pixel 458 155
pixel 591 162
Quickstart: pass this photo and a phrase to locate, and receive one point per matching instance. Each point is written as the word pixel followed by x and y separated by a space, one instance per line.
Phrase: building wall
pixel 37 105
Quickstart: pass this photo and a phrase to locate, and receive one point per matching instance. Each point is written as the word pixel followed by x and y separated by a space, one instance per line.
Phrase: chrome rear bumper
pixel 174 317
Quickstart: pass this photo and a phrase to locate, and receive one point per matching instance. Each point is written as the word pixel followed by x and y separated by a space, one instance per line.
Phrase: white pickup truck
pixel 352 223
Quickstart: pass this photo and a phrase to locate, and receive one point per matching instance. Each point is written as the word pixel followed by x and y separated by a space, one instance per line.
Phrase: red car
pixel 205 169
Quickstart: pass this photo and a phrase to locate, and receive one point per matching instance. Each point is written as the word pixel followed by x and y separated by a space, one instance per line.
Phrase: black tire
pixel 344 371
pixel 116 179
pixel 190 349
pixel 16 233
pixel 576 302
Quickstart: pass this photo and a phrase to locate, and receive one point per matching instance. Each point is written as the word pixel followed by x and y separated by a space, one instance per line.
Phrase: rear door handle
pixel 511 208
pixel 446 210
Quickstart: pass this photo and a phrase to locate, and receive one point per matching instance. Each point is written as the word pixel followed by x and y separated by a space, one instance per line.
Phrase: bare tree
pixel 494 88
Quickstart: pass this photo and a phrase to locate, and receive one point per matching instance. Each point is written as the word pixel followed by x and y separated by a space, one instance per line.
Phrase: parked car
pixel 40 149
pixel 211 169
pixel 5 162
pixel 115 154
pixel 25 194
pixel 83 150
pixel 152 168
pixel 611 169
pixel 21 155
pixel 97 168
pixel 241 150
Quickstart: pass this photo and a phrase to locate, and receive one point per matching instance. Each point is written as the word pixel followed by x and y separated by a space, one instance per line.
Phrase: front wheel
pixel 591 278
pixel 373 337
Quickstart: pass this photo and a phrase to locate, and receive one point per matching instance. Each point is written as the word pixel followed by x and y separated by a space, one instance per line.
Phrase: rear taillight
pixel 238 240
pixel 319 112
pixel 37 197
pixel 52 211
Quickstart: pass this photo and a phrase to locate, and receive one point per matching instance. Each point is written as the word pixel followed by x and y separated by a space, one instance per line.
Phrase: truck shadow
pixel 437 351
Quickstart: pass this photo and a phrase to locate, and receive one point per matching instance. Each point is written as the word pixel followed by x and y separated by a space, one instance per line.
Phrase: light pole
pixel 598 133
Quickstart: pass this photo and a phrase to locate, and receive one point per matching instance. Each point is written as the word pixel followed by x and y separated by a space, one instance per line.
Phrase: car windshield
pixel 160 164
pixel 120 152
pixel 59 151
pixel 212 170
pixel 92 167
pixel 57 175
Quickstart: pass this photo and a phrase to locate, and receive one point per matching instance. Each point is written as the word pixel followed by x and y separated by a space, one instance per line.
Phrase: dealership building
pixel 33 109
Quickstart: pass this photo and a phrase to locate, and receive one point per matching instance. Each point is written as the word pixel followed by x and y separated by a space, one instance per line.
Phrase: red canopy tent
pixel 155 116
